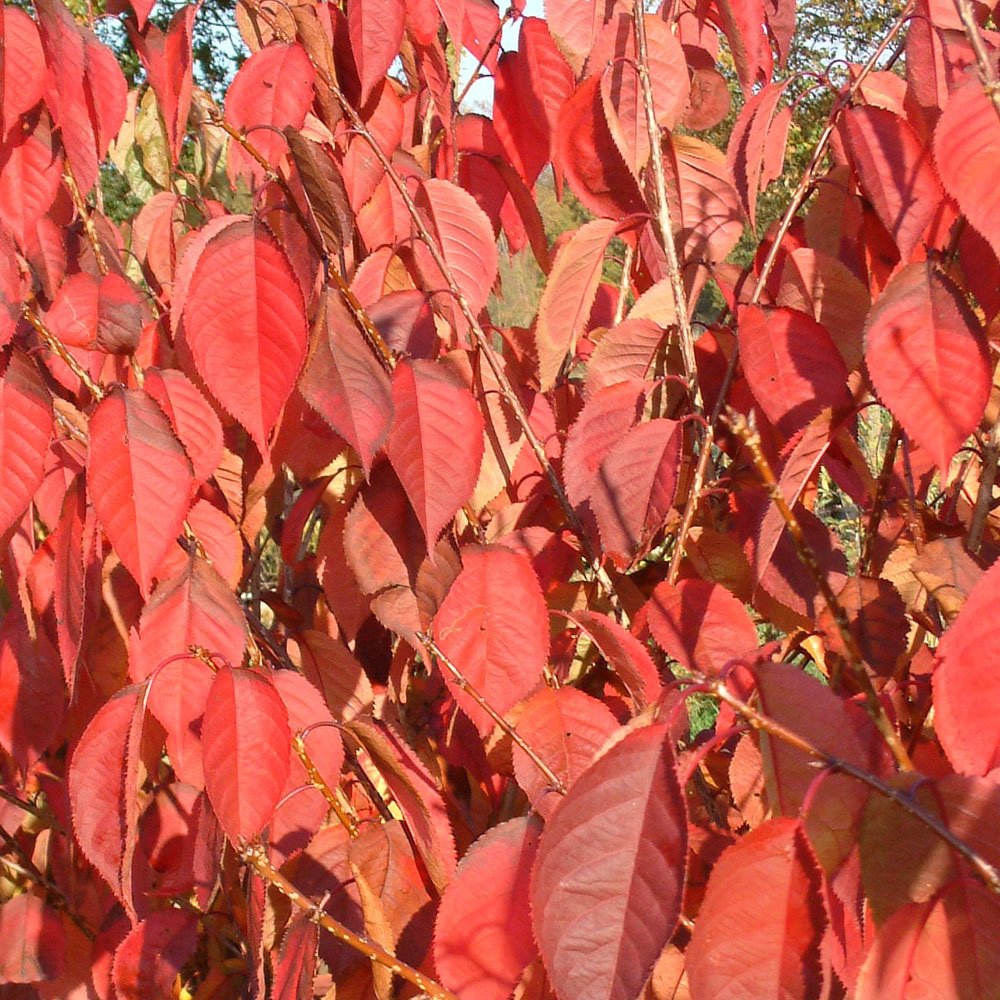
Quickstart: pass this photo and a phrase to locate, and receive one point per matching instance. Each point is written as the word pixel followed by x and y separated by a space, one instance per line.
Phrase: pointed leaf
pixel 966 147
pixel 759 926
pixel 244 322
pixel 25 429
pixel 465 238
pixel 493 626
pixel 245 742
pixel 792 365
pixel 926 355
pixel 609 878
pixel 344 383
pixel 635 486
pixel 568 296
pixel 33 940
pixel 565 728
pixel 139 480
pixel 482 936
pixel 896 173
pixel 272 90
pixel 700 624
pixel 435 443
pixel 32 691
pixel 375 28
pixel 574 25
pixel 966 687
pixel 22 69
pixel 149 959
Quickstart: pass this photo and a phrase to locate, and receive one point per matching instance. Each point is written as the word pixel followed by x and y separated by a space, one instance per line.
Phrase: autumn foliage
pixel 354 646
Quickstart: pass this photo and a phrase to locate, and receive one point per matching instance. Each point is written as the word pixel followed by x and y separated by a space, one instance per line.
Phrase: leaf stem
pixel 463 683
pixel 799 195
pixel 986 872
pixel 255 856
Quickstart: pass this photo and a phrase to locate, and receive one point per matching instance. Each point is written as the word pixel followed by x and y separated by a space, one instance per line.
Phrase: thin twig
pixel 799 195
pixel 663 220
pixel 342 810
pixel 463 683
pixel 88 222
pixel 985 871
pixel 751 441
pixel 54 344
pixel 255 856
pixel 987 480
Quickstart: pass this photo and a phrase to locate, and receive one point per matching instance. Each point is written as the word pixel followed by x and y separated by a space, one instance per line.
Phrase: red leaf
pixel 812 711
pixel 625 352
pixel 743 22
pixel 244 322
pixel 97 314
pixel 966 688
pixel 195 608
pixel 99 778
pixel 245 743
pixel 86 89
pixel 482 936
pixel 194 421
pixel 609 878
pixel 31 167
pixel 584 150
pixel 927 358
pixel 22 70
pixel 568 296
pixel 344 383
pixel 635 486
pixel 751 142
pixel 531 86
pixel 435 443
pixel 700 624
pixel 896 173
pixel 603 422
pixel 493 626
pixel 760 924
pixel 376 29
pixel 966 148
pixel 565 728
pixel 32 691
pixel 33 940
pixel 614 57
pixel 792 365
pixel 945 948
pixel 626 655
pixel 574 25
pixel 148 960
pixel 25 429
pixel 177 698
pixel 139 480
pixel 465 238
pixel 166 57
pixel 272 90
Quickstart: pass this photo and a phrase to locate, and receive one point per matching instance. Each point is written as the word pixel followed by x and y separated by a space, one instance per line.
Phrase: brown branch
pixel 255 856
pixel 342 810
pixel 799 195
pixel 878 501
pixel 54 344
pixel 88 222
pixel 663 221
pixel 991 85
pixel 463 683
pixel 985 871
pixel 987 480
pixel 751 441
